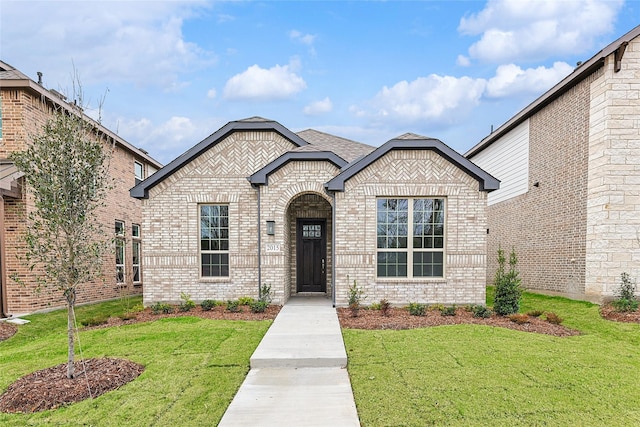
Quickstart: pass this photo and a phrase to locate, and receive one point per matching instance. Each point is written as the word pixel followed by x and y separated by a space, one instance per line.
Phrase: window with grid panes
pixel 214 240
pixel 410 237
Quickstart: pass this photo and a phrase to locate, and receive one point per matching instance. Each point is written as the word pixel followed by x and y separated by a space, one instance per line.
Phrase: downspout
pixel 257 187
pixel 333 250
pixel 3 271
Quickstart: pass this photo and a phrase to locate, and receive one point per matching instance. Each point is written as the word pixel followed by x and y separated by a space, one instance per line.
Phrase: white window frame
pixel 121 271
pixel 135 170
pixel 409 249
pixel 210 251
pixel 136 249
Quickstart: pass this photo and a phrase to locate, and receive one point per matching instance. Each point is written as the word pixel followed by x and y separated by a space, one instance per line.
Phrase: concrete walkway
pixel 298 373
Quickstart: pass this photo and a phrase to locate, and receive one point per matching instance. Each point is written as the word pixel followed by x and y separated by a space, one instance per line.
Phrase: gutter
pixel 333 250
pixel 257 187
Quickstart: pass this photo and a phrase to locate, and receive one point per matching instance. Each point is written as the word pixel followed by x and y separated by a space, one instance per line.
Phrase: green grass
pixel 193 367
pixel 477 375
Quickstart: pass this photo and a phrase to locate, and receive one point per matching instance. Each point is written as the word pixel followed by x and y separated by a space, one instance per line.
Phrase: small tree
pixel 66 170
pixel 508 292
pixel 626 295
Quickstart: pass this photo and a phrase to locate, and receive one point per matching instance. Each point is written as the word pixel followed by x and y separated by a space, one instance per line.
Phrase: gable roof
pixel 10 77
pixel 411 141
pixel 343 147
pixel 580 73
pixel 261 177
pixel 250 124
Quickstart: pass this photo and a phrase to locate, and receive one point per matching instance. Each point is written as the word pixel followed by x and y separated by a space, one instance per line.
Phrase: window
pixel 138 170
pixel 410 237
pixel 120 265
pixel 214 240
pixel 135 250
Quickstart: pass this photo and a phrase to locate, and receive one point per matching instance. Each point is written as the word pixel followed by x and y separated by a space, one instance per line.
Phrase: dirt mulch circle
pixel 608 312
pixel 7 330
pixel 50 388
pixel 399 318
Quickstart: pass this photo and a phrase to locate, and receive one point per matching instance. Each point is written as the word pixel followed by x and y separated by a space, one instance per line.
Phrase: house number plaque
pixel 272 247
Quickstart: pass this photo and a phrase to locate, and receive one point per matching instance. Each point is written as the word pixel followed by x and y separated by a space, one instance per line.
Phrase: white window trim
pixel 120 239
pixel 201 251
pixel 410 249
pixel 135 163
pixel 136 240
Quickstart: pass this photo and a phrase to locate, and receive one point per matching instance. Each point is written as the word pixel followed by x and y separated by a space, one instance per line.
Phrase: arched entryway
pixel 310 244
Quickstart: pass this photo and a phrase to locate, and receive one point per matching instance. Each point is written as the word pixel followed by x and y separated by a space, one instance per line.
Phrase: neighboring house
pixel 569 166
pixel 255 203
pixel 25 106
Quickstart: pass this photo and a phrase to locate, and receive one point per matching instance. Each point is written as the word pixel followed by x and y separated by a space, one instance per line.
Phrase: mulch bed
pixel 608 312
pixel 50 388
pixel 7 330
pixel 399 318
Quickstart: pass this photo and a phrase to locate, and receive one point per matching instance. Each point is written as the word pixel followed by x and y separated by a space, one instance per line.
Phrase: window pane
pixel 135 230
pixel 392 264
pixel 428 264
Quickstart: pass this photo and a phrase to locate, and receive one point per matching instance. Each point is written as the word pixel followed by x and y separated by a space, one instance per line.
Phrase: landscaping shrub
pixel 209 304
pixel 264 294
pixel 481 311
pixel 233 306
pixel 449 311
pixel 354 296
pixel 417 309
pixel 385 306
pixel 245 300
pixel 258 306
pixel 535 313
pixel 626 301
pixel 187 304
pixel 554 318
pixel 519 318
pixel 161 308
pixel 508 292
pixel 434 307
pixel 374 306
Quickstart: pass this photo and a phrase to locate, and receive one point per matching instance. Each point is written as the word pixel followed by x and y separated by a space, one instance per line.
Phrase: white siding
pixel 508 160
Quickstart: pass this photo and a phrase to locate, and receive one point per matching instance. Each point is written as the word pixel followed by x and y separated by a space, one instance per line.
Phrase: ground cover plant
pixel 193 366
pixel 477 375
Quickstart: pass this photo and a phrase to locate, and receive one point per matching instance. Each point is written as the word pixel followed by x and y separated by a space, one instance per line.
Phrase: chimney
pixel 40 78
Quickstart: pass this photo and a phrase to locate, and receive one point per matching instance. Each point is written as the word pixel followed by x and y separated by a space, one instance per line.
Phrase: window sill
pixel 411 279
pixel 215 279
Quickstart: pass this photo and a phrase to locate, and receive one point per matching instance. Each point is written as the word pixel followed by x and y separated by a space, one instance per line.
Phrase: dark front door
pixel 311 244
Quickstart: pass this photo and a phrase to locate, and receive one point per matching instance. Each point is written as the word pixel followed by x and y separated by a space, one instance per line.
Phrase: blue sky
pixel 173 72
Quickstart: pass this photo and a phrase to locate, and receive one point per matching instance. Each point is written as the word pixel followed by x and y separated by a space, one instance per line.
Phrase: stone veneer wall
pixel 547 225
pixel 412 173
pixel 171 222
pixel 613 209
pixel 23 115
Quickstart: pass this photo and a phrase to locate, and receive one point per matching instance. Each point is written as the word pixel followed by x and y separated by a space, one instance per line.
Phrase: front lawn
pixel 193 367
pixel 480 375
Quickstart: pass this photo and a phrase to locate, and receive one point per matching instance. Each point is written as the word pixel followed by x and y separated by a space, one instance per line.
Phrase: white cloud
pixel 511 79
pixel 306 39
pixel 212 93
pixel 256 83
pixel 535 29
pixel 131 42
pixel 463 61
pixel 167 139
pixel 434 99
pixel 319 107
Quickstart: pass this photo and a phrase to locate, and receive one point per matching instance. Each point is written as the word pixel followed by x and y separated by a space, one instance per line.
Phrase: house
pixel 25 106
pixel 311 213
pixel 569 166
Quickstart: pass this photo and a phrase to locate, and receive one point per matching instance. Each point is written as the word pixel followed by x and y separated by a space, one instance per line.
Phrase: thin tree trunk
pixel 70 326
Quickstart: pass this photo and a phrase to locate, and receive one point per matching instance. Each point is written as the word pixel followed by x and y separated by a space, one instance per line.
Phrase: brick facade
pixel 409 173
pixel 577 227
pixel 24 112
pixel 295 190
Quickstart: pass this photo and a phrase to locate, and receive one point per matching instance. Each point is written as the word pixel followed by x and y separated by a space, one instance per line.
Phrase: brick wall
pixel 23 115
pixel 171 222
pixel 412 173
pixel 547 225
